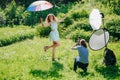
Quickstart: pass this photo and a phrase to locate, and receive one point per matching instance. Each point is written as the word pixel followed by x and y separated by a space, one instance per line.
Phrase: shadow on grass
pixel 110 72
pixel 84 74
pixel 53 72
pixel 14 39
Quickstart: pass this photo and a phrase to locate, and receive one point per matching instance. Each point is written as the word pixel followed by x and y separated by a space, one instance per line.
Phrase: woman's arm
pixel 44 24
pixel 74 47
pixel 61 20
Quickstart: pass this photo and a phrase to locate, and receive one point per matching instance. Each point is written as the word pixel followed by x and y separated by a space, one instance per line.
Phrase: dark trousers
pixel 80 65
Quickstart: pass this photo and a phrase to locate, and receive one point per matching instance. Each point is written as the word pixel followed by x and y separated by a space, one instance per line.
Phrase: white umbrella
pixel 95 19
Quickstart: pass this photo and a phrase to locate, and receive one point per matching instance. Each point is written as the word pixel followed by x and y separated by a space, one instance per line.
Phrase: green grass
pixel 11 35
pixel 27 60
pixel 7 32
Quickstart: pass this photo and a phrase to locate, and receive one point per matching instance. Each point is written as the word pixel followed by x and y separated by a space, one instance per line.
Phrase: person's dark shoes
pixel 75 65
pixel 54 59
pixel 75 69
pixel 45 48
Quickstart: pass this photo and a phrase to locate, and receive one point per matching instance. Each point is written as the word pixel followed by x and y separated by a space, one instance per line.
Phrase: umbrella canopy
pixel 99 39
pixel 39 6
pixel 95 19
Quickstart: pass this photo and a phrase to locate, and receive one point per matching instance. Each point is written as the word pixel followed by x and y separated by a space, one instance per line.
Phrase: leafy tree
pixel 2 19
pixel 13 13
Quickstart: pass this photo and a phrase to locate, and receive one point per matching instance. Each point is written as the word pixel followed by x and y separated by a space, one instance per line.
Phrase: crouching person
pixel 81 61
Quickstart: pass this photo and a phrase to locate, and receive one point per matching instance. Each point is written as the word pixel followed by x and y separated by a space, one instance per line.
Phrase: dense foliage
pixel 25 3
pixel 16 12
pixel 113 27
pixel 13 12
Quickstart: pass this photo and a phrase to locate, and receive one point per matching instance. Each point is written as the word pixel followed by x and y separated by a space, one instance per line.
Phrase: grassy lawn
pixel 27 60
pixel 11 35
pixel 7 32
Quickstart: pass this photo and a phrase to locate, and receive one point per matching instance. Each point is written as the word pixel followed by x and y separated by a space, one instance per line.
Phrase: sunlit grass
pixel 27 60
pixel 18 33
pixel 7 32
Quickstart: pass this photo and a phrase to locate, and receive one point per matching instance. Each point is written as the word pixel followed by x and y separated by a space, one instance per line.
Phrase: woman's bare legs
pixel 55 44
pixel 53 53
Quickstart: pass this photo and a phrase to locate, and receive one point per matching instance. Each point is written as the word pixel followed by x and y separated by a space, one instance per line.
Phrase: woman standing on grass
pixel 52 21
pixel 82 60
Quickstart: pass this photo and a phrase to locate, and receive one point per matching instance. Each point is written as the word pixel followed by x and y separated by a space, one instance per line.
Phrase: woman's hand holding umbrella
pixel 41 20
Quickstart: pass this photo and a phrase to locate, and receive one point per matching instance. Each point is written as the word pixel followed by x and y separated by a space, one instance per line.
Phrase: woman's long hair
pixel 83 43
pixel 48 18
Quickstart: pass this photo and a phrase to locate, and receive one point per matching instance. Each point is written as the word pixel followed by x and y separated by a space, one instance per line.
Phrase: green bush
pixel 13 14
pixel 76 15
pixel 16 38
pixel 80 14
pixel 68 21
pixel 116 6
pixel 78 25
pixel 117 10
pixel 82 24
pixel 84 14
pixel 113 27
pixel 43 32
pixel 28 18
pixel 2 19
pixel 79 34
pixel 10 35
pixel 16 15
